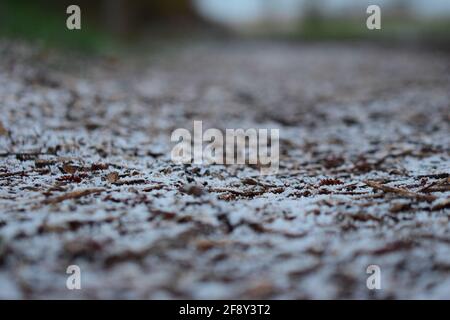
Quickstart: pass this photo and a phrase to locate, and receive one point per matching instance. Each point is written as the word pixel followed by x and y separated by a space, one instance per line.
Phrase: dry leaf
pixel 329 182
pixel 112 177
pixel 3 131
pixel 399 207
pixel 99 166
pixel 194 190
pixel 129 182
pixel 40 163
pixel 68 168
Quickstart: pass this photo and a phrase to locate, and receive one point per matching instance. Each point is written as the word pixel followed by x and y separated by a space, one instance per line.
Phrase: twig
pixel 401 192
pixel 247 193
pixel 441 205
pixel 441 182
pixel 129 182
pixel 393 155
pixel 26 154
pixel 10 174
pixel 72 195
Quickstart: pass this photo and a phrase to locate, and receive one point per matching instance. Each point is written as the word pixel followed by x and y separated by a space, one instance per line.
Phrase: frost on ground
pixel 86 176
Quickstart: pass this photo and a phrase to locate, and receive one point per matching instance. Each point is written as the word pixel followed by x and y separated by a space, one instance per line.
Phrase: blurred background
pixel 108 24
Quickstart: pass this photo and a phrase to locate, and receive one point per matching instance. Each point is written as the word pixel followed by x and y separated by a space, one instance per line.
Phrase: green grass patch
pixel 25 20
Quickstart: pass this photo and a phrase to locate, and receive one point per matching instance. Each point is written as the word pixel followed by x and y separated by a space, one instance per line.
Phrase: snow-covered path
pixel 86 176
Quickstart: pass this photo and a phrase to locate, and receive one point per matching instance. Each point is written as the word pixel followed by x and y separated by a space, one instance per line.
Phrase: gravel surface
pixel 86 176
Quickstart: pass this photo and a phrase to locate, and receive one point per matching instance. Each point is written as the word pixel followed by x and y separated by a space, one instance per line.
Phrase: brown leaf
pixel 40 163
pixel 68 168
pixel 73 177
pixel 398 207
pixel 155 187
pixel 3 131
pixel 249 181
pixel 99 166
pixel 329 182
pixel 333 161
pixel 262 289
pixel 205 245
pixel 194 190
pixel 112 177
pixel 129 182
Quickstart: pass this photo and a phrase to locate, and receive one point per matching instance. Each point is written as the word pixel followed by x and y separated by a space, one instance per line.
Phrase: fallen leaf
pixel 329 182
pixel 68 168
pixel 3 131
pixel 99 166
pixel 112 177
pixel 194 190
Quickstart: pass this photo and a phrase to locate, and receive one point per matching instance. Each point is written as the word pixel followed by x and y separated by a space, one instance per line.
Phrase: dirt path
pixel 86 176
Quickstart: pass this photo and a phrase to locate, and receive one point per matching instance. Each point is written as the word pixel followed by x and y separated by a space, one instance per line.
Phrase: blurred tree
pixel 123 16
pixel 2 9
pixel 401 8
pixel 312 14
pixel 312 10
pixel 115 15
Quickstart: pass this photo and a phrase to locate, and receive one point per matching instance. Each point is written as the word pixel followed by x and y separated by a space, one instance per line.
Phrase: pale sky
pixel 240 11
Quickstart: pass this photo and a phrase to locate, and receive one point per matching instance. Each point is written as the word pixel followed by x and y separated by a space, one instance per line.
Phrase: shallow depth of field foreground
pixel 86 177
